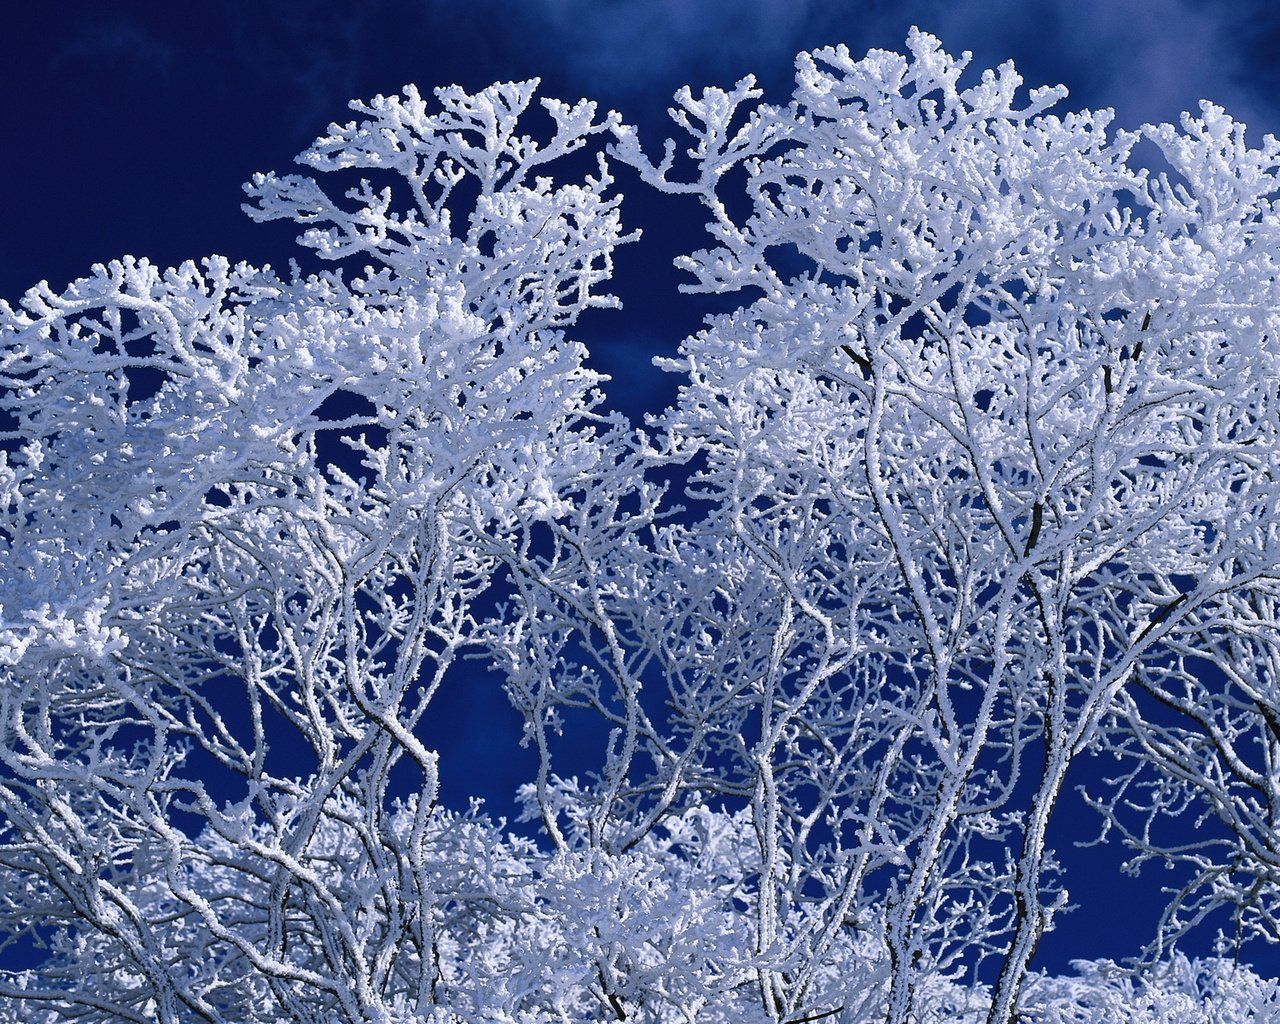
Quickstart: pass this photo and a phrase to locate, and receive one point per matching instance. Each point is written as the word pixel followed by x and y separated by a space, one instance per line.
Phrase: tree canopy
pixel 977 476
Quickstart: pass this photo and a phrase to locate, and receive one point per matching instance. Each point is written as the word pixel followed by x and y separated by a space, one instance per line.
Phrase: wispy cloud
pixel 649 48
pixel 314 62
pixel 118 39
pixel 618 43
pixel 1149 59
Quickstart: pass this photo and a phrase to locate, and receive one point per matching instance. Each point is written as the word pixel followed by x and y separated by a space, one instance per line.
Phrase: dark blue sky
pixel 128 128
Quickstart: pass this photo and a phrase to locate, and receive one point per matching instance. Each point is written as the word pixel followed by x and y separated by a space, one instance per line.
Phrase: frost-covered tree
pixel 980 476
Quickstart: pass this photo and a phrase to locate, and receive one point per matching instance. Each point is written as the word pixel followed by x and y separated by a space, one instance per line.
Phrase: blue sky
pixel 128 128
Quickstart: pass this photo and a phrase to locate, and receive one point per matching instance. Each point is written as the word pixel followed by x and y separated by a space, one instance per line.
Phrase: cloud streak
pixel 612 44
pixel 1148 59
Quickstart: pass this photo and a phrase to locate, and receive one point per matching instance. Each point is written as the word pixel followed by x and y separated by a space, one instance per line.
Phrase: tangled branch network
pixel 977 479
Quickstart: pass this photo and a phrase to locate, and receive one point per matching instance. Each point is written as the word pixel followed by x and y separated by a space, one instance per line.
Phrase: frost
pixel 979 474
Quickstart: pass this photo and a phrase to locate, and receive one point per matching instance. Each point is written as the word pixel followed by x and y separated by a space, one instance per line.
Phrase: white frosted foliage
pixel 977 479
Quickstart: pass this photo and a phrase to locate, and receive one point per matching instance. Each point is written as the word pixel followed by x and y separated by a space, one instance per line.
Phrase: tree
pixel 978 474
